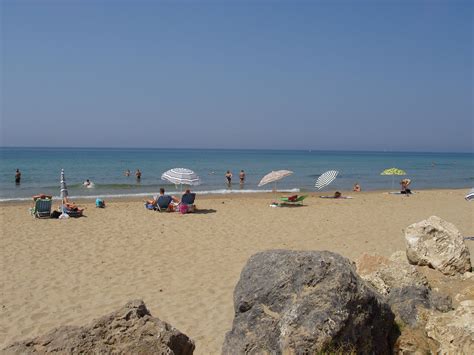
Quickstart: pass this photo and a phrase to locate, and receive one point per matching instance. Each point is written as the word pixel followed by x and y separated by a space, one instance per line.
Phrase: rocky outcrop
pixel 454 331
pixel 130 330
pixel 306 302
pixel 403 286
pixel 438 244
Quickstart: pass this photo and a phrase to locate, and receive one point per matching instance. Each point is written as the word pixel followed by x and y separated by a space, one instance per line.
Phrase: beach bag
pixel 99 203
pixel 183 208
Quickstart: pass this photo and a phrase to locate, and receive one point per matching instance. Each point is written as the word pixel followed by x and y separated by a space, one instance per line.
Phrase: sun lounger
pixel 293 200
pixel 42 208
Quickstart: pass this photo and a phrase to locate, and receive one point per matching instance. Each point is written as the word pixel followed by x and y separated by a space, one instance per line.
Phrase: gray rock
pixel 130 330
pixel 306 302
pixel 438 244
pixel 454 331
pixel 403 286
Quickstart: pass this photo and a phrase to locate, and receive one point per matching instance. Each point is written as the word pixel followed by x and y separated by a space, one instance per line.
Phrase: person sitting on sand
pixel 163 201
pixel 356 187
pixel 404 186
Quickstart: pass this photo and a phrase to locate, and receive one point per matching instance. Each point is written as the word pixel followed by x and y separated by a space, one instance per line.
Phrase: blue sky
pixel 348 75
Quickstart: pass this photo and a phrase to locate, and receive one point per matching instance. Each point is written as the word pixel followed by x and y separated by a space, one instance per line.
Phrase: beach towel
pixel 337 198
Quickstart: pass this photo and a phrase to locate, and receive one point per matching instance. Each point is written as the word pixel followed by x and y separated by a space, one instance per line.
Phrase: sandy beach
pixel 185 267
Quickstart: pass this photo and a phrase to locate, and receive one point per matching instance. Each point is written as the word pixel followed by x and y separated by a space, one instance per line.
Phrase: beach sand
pixel 185 267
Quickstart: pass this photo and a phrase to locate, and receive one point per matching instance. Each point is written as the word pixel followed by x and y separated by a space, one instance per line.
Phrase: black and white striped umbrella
pixel 181 176
pixel 470 195
pixel 63 192
pixel 326 178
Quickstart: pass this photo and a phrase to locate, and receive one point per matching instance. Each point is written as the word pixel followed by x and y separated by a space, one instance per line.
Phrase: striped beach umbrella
pixel 470 195
pixel 274 176
pixel 63 194
pixel 326 178
pixel 181 176
pixel 393 172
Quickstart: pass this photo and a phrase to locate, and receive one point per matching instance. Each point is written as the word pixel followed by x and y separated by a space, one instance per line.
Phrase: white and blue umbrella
pixel 470 195
pixel 181 176
pixel 326 178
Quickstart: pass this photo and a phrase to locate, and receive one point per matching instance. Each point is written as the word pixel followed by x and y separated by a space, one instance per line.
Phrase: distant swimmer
pixel 88 183
pixel 138 174
pixel 17 176
pixel 127 172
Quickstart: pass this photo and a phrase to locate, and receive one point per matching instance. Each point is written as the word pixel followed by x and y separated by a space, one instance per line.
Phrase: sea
pixel 105 167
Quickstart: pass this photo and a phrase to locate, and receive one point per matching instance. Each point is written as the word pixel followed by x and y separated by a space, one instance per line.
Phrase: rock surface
pixel 403 286
pixel 438 244
pixel 130 330
pixel 454 331
pixel 306 302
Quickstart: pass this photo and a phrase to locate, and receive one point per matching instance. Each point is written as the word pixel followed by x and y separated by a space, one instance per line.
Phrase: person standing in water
pixel 228 176
pixel 17 176
pixel 242 177
pixel 138 174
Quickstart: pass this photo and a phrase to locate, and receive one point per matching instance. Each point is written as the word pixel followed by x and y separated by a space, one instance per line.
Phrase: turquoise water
pixel 41 168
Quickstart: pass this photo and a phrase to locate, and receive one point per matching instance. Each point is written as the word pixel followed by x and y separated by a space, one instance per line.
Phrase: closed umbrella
pixel 63 194
pixel 326 178
pixel 181 176
pixel 274 176
pixel 393 172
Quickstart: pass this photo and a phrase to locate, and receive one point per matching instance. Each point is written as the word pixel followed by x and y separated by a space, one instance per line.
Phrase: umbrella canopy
pixel 274 176
pixel 393 171
pixel 181 176
pixel 326 178
pixel 470 195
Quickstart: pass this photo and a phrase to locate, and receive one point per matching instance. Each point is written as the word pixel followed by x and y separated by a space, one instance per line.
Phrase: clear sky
pixel 362 75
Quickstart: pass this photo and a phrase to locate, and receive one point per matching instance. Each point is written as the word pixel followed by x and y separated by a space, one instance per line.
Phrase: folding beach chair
pixel 187 203
pixel 42 208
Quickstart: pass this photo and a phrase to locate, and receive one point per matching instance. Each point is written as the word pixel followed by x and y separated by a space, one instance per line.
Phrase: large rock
pixel 306 302
pixel 438 244
pixel 454 331
pixel 130 330
pixel 405 289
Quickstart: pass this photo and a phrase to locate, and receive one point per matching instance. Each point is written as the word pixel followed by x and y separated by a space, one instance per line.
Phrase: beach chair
pixel 187 203
pixel 292 200
pixel 163 203
pixel 42 208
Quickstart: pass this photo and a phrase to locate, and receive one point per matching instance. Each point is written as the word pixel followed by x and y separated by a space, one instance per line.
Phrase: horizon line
pixel 243 149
